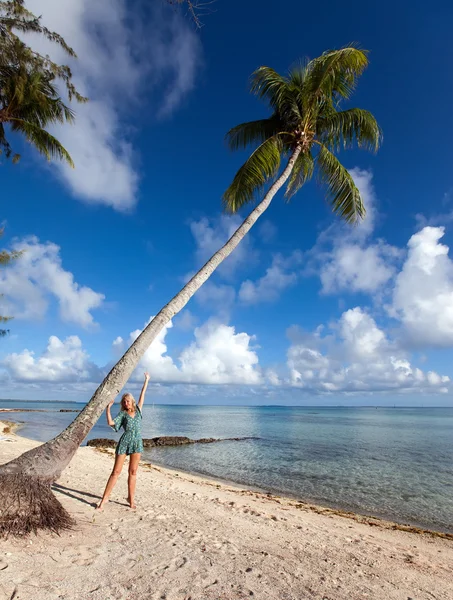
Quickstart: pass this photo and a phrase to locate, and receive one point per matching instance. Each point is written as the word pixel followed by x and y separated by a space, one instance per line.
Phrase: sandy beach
pixel 194 539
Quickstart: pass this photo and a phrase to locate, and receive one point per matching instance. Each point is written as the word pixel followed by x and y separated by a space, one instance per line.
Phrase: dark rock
pixel 102 443
pixel 68 410
pixel 157 442
pixel 170 440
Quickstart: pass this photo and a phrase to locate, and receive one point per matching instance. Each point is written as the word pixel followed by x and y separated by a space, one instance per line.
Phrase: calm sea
pixel 395 463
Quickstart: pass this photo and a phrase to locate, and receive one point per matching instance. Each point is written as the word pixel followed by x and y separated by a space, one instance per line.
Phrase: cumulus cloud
pixel 278 277
pixel 218 355
pixel 423 292
pixel 357 357
pixel 118 59
pixel 353 355
pixel 344 257
pixel 155 359
pixel 30 282
pixel 357 269
pixel 61 361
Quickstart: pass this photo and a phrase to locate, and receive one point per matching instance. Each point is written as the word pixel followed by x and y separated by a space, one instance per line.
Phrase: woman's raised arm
pixel 143 392
pixel 110 421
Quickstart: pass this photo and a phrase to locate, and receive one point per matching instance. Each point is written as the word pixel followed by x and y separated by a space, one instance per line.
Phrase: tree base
pixel 28 505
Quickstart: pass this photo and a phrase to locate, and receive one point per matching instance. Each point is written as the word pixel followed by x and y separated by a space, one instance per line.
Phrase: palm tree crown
pixel 306 119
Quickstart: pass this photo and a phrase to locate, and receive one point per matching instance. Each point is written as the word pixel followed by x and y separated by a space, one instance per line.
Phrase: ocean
pixel 395 463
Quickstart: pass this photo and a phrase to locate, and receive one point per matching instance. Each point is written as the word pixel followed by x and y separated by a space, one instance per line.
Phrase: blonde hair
pixel 123 398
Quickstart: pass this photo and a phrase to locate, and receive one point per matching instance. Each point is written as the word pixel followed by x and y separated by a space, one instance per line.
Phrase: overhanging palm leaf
pixel 30 100
pixel 253 132
pixel 263 164
pixel 334 74
pixel 43 141
pixel 302 172
pixel 342 192
pixel 269 85
pixel 343 129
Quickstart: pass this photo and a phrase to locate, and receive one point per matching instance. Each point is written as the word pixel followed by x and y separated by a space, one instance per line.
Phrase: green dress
pixel 131 441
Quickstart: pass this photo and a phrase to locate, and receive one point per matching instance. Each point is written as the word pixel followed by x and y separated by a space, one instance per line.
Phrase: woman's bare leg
pixel 131 482
pixel 117 468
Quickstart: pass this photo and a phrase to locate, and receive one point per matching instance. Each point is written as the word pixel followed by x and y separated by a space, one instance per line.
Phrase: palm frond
pixel 342 192
pixel 343 129
pixel 253 132
pixel 302 172
pixel 269 85
pixel 334 74
pixel 7 257
pixel 298 73
pixel 263 164
pixel 43 141
pixel 4 144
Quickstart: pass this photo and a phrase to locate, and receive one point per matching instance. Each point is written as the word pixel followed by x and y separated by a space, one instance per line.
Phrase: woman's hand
pixel 146 377
pixel 111 403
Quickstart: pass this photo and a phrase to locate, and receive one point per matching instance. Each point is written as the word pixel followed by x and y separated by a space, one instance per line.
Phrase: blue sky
pixel 307 311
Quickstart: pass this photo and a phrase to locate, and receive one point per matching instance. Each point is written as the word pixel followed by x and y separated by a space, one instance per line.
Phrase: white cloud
pixel 38 275
pixel 361 337
pixel 357 269
pixel 155 359
pixel 119 57
pixel 279 276
pixel 360 358
pixel 356 356
pixel 218 355
pixel 364 181
pixel 61 361
pixel 423 293
pixel 343 256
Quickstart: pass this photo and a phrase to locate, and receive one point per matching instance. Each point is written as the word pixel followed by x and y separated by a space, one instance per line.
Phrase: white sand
pixel 197 539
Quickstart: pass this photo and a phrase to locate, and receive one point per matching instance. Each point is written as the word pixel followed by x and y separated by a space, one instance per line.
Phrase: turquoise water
pixel 395 463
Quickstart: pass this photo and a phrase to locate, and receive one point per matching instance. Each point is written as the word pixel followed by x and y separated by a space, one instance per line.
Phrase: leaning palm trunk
pixel 305 124
pixel 26 503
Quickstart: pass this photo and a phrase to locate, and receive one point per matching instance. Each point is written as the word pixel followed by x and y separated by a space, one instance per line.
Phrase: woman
pixel 130 444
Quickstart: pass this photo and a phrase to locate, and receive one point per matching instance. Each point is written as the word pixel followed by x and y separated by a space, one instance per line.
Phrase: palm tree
pixel 306 127
pixel 29 102
pixel 29 96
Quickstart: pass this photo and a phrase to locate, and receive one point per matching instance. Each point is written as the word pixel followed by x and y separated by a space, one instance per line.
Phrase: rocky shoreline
pixel 171 440
pixel 16 410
